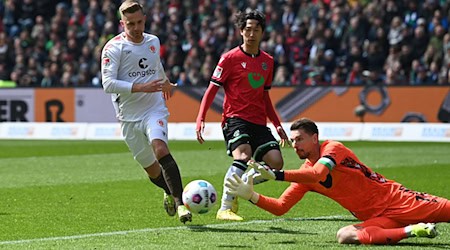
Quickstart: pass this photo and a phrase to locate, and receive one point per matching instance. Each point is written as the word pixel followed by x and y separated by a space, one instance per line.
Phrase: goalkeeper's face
pixel 133 25
pixel 303 143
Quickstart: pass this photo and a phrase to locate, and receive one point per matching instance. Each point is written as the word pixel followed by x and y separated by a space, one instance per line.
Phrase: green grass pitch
pixel 93 195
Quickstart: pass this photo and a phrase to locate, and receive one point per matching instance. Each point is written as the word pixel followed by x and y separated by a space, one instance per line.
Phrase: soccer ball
pixel 199 196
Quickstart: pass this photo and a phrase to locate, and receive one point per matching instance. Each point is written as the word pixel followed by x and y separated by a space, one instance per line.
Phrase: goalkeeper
pixel 389 211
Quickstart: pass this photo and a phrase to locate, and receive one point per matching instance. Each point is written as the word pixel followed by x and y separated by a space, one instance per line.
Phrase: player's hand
pixel 167 88
pixel 199 130
pixel 240 188
pixel 262 171
pixel 148 87
pixel 284 138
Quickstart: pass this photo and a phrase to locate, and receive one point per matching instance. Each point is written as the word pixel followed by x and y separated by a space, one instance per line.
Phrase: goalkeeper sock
pixel 238 167
pixel 160 182
pixel 378 235
pixel 172 176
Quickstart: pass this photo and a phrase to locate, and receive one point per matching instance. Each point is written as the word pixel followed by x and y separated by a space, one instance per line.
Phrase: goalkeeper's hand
pixel 263 171
pixel 236 186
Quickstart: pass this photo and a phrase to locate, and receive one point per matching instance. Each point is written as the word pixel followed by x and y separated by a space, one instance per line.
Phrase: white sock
pixel 227 200
pixel 408 230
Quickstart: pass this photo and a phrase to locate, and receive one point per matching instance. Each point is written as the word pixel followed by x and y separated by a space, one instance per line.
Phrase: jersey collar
pixel 248 54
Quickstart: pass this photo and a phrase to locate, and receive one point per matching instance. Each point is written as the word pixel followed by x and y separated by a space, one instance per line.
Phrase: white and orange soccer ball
pixel 199 196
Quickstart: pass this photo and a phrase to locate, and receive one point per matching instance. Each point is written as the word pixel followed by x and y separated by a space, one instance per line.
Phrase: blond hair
pixel 130 6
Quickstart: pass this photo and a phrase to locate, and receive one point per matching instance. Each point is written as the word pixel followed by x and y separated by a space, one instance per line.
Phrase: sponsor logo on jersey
pixel 142 73
pixel 256 80
pixel 218 72
pixel 142 63
pixel 152 49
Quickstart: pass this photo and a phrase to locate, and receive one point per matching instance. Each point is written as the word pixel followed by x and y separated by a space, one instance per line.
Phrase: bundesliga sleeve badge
pixel 218 72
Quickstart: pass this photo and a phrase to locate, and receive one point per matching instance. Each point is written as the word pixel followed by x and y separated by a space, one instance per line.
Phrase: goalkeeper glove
pixel 263 171
pixel 240 188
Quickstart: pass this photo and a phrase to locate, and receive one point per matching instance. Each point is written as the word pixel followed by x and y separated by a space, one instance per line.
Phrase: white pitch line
pixel 146 230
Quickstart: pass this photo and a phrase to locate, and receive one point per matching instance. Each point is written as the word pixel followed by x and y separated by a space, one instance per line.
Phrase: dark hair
pixel 306 124
pixel 242 17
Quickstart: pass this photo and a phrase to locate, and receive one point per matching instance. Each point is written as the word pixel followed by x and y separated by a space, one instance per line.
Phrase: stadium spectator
pixel 388 211
pixel 294 28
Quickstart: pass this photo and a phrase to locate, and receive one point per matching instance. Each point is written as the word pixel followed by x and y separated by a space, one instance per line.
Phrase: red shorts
pixel 410 207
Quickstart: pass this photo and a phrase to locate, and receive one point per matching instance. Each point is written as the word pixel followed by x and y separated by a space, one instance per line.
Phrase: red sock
pixel 381 236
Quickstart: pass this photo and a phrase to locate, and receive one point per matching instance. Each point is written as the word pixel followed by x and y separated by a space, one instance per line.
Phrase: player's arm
pixel 292 195
pixel 206 102
pixel 273 117
pixel 163 84
pixel 110 68
pixel 317 173
pixel 304 175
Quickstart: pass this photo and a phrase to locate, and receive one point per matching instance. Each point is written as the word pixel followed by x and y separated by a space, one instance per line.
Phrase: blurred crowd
pixel 50 43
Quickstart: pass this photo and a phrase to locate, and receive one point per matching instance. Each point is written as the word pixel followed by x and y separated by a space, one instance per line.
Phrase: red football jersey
pixel 244 78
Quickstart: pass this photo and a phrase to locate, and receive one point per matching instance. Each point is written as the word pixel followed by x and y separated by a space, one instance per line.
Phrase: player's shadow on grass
pixel 272 230
pixel 424 245
pixel 323 219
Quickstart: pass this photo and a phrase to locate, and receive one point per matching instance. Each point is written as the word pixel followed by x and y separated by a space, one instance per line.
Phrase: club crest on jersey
pixel 264 66
pixel 106 61
pixel 218 72
pixel 152 49
pixel 160 123
pixel 236 133
pixel 244 64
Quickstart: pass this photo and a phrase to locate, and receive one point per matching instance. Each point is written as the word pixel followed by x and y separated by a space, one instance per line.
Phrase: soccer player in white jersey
pixel 132 72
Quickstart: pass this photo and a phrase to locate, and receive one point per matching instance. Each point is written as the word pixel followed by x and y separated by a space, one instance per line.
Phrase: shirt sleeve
pixel 221 72
pixel 291 196
pixel 305 175
pixel 110 68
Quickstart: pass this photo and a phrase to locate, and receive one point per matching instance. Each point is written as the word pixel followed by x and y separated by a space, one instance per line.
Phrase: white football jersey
pixel 124 63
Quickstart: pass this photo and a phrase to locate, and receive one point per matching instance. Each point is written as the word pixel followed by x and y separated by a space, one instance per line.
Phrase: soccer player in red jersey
pixel 389 211
pixel 245 73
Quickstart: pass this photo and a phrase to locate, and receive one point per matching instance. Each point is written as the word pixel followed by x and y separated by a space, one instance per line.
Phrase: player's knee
pixel 154 170
pixel 346 235
pixel 160 148
pixel 277 163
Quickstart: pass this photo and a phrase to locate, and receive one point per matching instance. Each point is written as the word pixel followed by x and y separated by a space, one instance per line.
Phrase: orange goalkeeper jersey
pixel 353 185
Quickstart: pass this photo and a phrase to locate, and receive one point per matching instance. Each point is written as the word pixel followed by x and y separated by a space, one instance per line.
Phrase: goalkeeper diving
pixel 388 211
